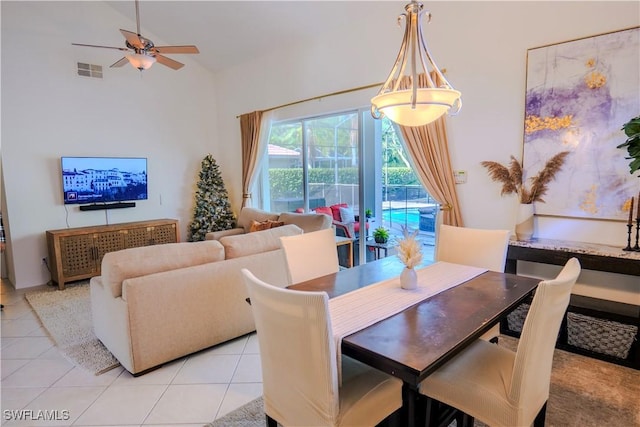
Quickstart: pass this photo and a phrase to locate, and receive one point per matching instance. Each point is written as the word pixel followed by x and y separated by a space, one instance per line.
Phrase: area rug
pixel 584 392
pixel 66 315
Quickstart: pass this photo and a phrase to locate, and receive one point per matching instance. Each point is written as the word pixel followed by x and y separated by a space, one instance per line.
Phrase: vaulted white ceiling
pixel 229 32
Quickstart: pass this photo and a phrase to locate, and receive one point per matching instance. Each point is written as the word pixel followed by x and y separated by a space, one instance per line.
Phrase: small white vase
pixel 524 221
pixel 408 278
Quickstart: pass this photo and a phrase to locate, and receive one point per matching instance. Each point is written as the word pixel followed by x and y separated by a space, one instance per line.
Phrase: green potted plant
pixel 632 130
pixel 367 213
pixel 381 235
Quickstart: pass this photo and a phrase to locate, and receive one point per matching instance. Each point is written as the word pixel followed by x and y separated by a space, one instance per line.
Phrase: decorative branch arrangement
pixel 511 178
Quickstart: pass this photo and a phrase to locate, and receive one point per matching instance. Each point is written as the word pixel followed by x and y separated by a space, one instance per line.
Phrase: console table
pixel 76 253
pixel 586 315
pixel 592 256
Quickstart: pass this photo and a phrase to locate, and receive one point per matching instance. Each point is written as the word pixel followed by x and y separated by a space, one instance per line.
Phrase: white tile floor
pixel 191 391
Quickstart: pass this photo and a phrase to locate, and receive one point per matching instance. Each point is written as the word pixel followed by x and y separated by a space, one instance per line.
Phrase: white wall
pixel 48 111
pixel 483 46
pixel 171 116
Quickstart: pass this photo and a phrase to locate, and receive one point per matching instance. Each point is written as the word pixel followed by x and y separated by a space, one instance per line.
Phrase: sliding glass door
pixel 351 160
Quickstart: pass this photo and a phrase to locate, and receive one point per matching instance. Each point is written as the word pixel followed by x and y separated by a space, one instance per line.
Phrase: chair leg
pixel 271 422
pixel 392 420
pixel 464 420
pixel 539 421
pixel 431 412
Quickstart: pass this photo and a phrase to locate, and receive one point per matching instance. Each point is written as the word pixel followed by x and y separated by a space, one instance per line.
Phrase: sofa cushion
pixel 308 222
pixel 252 214
pixel 257 242
pixel 135 262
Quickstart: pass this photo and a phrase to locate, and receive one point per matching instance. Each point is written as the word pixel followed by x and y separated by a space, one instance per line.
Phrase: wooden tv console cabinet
pixel 76 253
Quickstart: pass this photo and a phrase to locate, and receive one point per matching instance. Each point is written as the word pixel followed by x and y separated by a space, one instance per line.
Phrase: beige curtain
pixel 428 148
pixel 250 124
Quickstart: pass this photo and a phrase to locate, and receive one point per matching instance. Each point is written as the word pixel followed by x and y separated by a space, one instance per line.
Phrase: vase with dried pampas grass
pixel 512 179
pixel 410 254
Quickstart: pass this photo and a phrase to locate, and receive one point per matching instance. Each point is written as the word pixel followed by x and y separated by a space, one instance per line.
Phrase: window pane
pixel 285 167
pixel 333 160
pixel 405 203
pixel 314 162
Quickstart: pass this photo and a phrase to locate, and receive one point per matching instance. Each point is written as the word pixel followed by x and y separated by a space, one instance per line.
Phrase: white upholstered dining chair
pixel 477 247
pixel 299 364
pixel 498 386
pixel 310 255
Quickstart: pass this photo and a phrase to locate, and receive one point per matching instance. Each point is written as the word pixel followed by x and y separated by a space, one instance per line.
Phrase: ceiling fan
pixel 142 52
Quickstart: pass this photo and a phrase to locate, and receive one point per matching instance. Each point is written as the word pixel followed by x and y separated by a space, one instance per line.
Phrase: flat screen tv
pixel 92 180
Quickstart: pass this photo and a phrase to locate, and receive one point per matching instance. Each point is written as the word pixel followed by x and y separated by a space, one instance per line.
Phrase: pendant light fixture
pixel 409 96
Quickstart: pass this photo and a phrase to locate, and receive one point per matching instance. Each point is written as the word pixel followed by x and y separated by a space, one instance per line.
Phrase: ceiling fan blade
pixel 176 49
pixel 102 47
pixel 121 62
pixel 133 39
pixel 169 62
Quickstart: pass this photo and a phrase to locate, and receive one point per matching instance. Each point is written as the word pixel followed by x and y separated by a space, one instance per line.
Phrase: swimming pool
pixel 408 217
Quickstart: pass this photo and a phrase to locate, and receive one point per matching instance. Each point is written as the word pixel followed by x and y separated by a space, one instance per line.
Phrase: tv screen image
pixel 103 179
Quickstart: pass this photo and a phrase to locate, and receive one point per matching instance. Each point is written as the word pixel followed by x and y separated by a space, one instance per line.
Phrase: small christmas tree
pixel 212 211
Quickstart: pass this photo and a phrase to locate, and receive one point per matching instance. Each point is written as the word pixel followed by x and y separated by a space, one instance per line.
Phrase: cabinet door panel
pixel 107 241
pixel 137 237
pixel 164 234
pixel 77 255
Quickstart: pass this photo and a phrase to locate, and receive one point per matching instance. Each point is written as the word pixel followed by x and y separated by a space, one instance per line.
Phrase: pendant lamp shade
pixel 409 96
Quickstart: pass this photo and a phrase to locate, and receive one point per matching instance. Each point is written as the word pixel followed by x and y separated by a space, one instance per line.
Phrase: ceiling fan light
pixel 141 61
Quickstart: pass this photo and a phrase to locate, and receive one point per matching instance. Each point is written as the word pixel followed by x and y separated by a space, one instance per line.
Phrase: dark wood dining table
pixel 415 342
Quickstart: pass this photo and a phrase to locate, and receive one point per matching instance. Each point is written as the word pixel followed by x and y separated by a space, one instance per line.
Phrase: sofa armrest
pixel 216 235
pixel 307 222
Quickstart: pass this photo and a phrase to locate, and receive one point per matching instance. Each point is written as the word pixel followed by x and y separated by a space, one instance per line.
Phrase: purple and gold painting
pixel 579 94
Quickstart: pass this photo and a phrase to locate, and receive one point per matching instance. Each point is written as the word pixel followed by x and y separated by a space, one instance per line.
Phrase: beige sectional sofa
pixel 155 304
pixel 307 222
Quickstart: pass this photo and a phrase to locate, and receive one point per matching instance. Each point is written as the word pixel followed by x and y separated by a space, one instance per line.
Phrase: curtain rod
pixel 355 89
pixel 340 92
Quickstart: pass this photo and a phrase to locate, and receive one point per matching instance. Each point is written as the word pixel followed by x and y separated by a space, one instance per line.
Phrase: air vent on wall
pixel 89 70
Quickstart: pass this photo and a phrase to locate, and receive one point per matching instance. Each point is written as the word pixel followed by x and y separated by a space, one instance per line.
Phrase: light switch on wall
pixel 460 177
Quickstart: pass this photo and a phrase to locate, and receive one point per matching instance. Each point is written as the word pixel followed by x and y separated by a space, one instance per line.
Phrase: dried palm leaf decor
pixel 511 177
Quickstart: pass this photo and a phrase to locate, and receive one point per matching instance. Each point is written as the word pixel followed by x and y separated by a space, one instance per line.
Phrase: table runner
pixel 363 307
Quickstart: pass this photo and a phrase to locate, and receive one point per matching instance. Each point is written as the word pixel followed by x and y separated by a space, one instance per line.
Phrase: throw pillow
pixel 347 215
pixel 274 224
pixel 259 225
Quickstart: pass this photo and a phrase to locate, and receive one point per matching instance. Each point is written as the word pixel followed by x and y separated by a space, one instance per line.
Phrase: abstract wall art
pixel 578 95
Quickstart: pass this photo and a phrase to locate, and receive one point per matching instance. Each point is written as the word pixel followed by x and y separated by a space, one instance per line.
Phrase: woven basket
pixel 599 335
pixel 515 319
